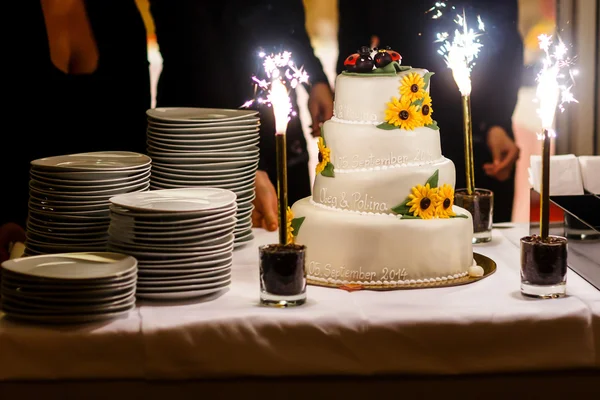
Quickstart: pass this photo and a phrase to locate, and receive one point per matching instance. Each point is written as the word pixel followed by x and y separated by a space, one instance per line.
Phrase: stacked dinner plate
pixel 69 287
pixel 68 198
pixel 182 238
pixel 205 147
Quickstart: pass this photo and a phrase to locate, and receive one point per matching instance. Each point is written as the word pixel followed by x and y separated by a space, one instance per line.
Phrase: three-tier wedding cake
pixel 382 213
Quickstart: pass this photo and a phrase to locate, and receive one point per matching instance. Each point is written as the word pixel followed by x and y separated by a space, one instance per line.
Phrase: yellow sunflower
pixel 412 87
pixel 426 110
pixel 422 201
pixel 324 155
pixel 444 202
pixel 289 228
pixel 401 114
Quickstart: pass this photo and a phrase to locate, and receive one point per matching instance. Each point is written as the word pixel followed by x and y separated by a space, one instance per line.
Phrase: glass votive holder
pixel 543 266
pixel 481 206
pixel 282 275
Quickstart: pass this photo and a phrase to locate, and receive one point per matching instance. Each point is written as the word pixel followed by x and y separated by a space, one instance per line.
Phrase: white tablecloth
pixel 487 326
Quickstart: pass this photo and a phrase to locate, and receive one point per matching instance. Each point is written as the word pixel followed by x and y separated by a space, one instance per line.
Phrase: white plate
pixel 73 265
pixel 185 148
pixel 190 240
pixel 202 140
pixel 74 299
pixel 200 263
pixel 148 257
pixel 136 234
pixel 215 245
pixel 207 174
pixel 181 295
pixel 181 271
pixel 185 129
pixel 225 166
pixel 236 188
pixel 131 221
pixel 240 123
pixel 222 179
pixel 92 195
pixel 53 180
pixel 91 175
pixel 179 288
pixel 193 181
pixel 245 237
pixel 33 307
pixel 210 154
pixel 163 283
pixel 58 188
pixel 198 115
pixel 105 161
pixel 178 200
pixel 69 319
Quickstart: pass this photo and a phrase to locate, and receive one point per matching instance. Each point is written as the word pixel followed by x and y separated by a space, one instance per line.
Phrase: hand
pixel 9 233
pixel 320 106
pixel 504 151
pixel 265 210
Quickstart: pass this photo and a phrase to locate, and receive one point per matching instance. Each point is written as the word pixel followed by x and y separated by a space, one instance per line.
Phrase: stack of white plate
pixel 182 238
pixel 205 147
pixel 68 198
pixel 69 287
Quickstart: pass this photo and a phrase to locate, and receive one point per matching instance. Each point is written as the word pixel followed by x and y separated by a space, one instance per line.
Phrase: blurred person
pixel 78 81
pixel 408 28
pixel 210 52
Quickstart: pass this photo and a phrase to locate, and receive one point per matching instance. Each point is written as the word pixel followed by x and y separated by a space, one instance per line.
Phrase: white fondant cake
pixel 382 214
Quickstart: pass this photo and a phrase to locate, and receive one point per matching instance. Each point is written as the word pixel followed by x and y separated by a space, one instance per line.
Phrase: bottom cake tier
pixel 380 250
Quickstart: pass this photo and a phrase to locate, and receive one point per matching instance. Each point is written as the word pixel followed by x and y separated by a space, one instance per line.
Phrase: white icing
pixel 364 98
pixel 350 211
pixel 378 192
pixel 476 271
pixel 353 247
pixel 349 121
pixel 363 148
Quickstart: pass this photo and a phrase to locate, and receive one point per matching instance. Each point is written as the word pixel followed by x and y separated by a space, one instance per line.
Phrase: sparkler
pixel 460 55
pixel 552 92
pixel 282 75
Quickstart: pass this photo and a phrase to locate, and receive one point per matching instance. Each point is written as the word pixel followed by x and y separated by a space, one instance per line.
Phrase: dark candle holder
pixel 282 275
pixel 481 206
pixel 543 266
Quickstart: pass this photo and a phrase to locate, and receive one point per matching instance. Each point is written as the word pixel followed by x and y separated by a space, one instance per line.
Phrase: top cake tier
pixel 364 98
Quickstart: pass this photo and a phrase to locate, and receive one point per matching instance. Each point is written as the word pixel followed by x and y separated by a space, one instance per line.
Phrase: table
pixel 480 332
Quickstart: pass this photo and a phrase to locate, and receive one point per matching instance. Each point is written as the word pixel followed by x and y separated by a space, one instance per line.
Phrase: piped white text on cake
pixel 325 270
pixel 355 201
pixel 371 161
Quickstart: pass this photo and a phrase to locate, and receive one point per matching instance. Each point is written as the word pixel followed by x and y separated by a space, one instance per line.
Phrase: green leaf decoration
pixel 323 136
pixel 417 103
pixel 410 216
pixel 426 78
pixel 433 180
pixel 460 216
pixel 402 208
pixel 296 224
pixel 387 126
pixel 433 126
pixel 403 68
pixel 328 171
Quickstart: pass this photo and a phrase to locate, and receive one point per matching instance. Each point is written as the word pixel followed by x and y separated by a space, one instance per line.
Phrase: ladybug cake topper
pixel 365 61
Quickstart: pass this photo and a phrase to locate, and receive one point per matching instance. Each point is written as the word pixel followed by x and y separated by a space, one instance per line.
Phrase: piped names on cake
pixel 325 270
pixel 345 112
pixel 356 161
pixel 355 201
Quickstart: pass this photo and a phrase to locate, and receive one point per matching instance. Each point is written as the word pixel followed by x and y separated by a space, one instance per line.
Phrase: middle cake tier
pixel 377 191
pixel 364 146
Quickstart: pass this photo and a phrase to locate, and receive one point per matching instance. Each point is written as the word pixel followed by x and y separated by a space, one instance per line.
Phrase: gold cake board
pixel 488 265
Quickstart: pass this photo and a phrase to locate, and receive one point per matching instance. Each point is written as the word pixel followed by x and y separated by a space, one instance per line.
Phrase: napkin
pixel 590 172
pixel 565 175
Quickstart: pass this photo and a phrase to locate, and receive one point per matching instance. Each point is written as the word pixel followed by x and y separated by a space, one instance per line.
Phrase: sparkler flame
pixel 553 90
pixel 281 75
pixel 461 52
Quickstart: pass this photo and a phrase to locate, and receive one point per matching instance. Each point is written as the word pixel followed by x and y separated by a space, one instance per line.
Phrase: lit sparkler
pixel 282 75
pixel 460 54
pixel 553 91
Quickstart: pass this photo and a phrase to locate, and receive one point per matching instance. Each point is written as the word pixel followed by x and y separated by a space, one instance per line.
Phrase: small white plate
pixel 235 123
pixel 178 200
pixel 106 161
pixel 50 180
pixel 73 265
pixel 185 283
pixel 198 115
pixel 91 175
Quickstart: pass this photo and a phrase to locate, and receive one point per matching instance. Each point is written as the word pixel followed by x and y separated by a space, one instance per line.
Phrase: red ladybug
pixel 350 62
pixel 395 55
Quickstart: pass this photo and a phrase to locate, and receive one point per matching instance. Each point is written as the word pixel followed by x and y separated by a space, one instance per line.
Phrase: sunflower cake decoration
pixel 293 226
pixel 428 201
pixel 324 167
